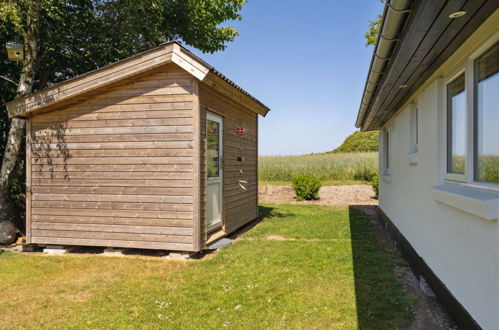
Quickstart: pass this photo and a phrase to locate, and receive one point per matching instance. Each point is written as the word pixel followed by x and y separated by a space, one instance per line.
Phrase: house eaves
pixel 416 38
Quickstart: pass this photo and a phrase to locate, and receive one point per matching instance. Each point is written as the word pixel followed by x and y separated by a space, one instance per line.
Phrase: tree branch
pixel 9 80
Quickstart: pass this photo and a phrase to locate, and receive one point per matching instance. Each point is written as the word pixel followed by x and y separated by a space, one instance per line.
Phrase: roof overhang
pixel 421 36
pixel 171 52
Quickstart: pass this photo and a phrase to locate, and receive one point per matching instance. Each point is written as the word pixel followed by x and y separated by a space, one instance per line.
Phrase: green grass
pixel 332 275
pixel 338 167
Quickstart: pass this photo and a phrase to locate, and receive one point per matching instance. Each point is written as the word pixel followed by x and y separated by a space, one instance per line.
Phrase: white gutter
pixel 394 16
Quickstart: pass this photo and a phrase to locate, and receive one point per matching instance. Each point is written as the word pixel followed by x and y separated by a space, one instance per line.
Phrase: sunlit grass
pixel 346 167
pixel 328 271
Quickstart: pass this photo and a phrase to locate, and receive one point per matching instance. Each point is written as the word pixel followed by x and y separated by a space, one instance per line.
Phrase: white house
pixel 433 91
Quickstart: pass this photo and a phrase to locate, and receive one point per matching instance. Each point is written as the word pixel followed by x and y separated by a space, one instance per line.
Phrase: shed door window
pixel 456 126
pixel 213 149
pixel 486 160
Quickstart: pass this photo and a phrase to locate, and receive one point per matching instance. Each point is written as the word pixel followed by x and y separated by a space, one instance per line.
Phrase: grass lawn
pixel 326 271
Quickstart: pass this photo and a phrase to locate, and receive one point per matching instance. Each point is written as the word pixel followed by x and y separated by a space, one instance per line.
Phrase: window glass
pixel 456 126
pixel 213 133
pixel 487 116
pixel 386 146
pixel 416 119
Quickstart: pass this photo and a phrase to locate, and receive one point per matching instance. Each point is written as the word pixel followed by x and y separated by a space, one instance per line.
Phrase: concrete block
pixel 178 256
pixel 113 252
pixel 220 244
pixel 57 250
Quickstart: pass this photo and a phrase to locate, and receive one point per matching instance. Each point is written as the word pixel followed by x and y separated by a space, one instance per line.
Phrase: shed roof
pixel 414 50
pixel 171 52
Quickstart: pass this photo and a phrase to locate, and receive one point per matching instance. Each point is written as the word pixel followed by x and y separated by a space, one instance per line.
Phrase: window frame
pixel 386 152
pixel 469 67
pixel 451 176
pixel 414 129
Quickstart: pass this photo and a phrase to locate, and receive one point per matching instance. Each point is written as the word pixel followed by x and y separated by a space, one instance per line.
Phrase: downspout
pixel 394 16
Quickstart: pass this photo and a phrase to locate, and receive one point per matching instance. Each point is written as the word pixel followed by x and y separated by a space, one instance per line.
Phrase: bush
pixel 364 174
pixel 306 187
pixel 375 184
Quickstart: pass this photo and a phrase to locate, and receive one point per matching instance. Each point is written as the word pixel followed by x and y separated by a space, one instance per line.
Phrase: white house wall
pixel 461 248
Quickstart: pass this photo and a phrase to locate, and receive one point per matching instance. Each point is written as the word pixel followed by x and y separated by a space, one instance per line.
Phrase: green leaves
pixel 78 36
pixel 359 142
pixel 372 33
pixel 306 187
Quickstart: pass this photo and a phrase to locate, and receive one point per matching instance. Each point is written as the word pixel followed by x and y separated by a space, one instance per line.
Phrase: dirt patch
pixel 328 195
pixel 428 313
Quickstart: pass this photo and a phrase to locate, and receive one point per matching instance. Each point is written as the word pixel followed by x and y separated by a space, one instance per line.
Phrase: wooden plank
pixel 113 198
pixel 91 81
pixel 112 167
pixel 133 190
pixel 47 139
pixel 112 206
pixel 117 101
pixel 169 156
pixel 187 183
pixel 112 175
pixel 181 215
pixel 196 178
pixel 29 183
pixel 112 221
pixel 173 102
pixel 112 228
pixel 37 147
pixel 141 114
pixel 112 236
pixel 188 63
pixel 257 211
pixel 116 123
pixel 112 130
pixel 113 243
pixel 112 160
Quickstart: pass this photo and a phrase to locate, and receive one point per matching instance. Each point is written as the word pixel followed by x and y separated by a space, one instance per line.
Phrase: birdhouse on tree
pixel 15 51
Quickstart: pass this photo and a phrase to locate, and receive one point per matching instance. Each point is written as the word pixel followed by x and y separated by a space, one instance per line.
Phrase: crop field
pixel 328 167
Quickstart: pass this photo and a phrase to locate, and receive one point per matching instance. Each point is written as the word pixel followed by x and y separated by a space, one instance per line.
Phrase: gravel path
pixel 328 195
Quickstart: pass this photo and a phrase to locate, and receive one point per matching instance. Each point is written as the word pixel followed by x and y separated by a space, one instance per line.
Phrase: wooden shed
pixel 158 151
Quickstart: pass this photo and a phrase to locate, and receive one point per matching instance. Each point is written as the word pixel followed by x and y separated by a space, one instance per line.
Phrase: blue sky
pixel 307 61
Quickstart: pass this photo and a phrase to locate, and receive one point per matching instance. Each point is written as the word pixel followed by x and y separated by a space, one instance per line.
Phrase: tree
pixel 373 29
pixel 359 142
pixel 63 39
pixel 372 33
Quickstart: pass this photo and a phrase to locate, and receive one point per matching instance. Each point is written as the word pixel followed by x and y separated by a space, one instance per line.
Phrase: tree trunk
pixel 17 126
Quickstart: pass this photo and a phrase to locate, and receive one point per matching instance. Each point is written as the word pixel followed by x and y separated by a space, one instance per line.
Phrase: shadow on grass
pixel 380 299
pixel 270 212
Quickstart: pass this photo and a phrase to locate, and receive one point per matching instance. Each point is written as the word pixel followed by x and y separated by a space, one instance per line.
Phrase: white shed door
pixel 214 145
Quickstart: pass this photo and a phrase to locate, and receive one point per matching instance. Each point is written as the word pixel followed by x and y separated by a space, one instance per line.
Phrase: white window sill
pixel 386 177
pixel 412 158
pixel 479 202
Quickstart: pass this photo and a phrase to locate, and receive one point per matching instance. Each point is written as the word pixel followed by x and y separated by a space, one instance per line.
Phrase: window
pixel 213 142
pixel 416 122
pixel 472 121
pixel 486 117
pixel 456 126
pixel 386 150
pixel 414 130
